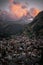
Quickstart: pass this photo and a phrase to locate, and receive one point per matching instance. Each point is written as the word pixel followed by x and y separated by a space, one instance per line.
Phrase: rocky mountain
pixel 36 26
pixel 32 26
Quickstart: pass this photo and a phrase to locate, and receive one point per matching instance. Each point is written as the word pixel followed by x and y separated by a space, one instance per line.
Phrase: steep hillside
pixel 36 26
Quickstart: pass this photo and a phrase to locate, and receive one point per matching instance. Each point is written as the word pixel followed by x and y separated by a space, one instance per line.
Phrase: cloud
pixel 34 11
pixel 17 9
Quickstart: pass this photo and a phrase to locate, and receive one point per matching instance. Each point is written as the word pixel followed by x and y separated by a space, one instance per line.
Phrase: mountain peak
pixel 40 13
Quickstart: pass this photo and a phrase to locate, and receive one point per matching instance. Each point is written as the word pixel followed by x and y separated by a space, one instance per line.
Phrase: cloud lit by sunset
pixel 10 1
pixel 34 11
pixel 17 9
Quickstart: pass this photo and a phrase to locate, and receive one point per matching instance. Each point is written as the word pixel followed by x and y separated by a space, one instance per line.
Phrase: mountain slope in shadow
pixel 36 26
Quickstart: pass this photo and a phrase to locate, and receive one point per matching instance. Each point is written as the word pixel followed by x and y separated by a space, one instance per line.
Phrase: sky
pixel 29 3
